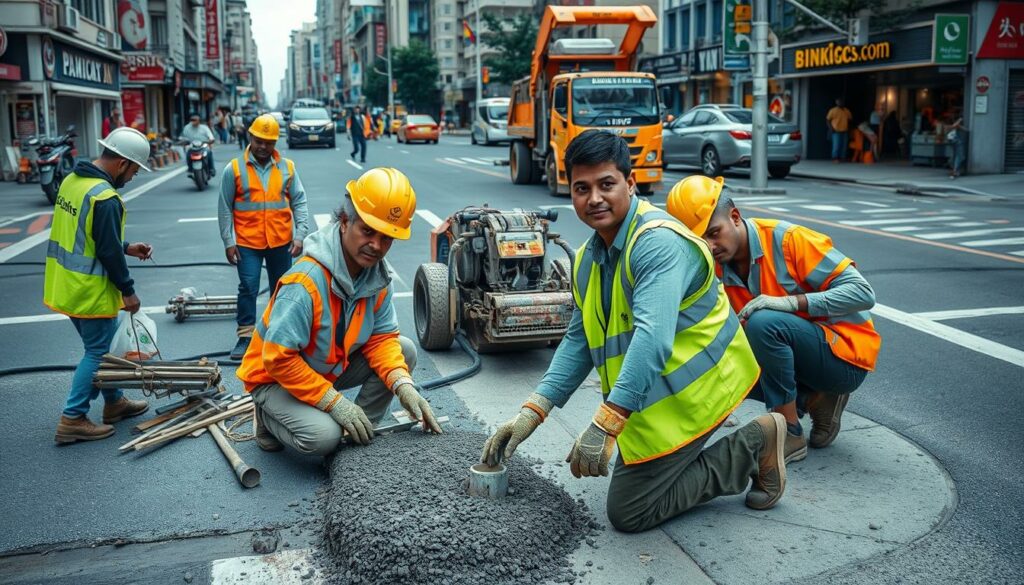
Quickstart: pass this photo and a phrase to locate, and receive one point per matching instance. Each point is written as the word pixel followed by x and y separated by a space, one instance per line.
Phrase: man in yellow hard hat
pixel 331 326
pixel 803 303
pixel 263 218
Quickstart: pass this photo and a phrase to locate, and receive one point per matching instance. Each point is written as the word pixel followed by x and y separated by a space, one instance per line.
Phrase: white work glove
pixel 785 304
pixel 502 444
pixel 417 406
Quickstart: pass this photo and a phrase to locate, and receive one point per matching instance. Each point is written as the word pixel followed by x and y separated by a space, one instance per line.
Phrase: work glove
pixel 503 443
pixel 785 304
pixel 593 449
pixel 348 415
pixel 417 406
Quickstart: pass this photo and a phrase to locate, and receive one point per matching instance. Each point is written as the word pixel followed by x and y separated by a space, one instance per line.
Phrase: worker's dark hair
pixel 109 154
pixel 347 210
pixel 594 147
pixel 725 206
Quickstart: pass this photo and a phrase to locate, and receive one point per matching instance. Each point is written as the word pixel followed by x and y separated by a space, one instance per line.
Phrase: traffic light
pixel 485 74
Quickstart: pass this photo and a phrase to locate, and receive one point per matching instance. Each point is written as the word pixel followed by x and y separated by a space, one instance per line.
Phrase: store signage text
pixel 143 67
pixel 1005 36
pixel 708 60
pixel 212 34
pixel 952 36
pixel 834 54
pixel 85 68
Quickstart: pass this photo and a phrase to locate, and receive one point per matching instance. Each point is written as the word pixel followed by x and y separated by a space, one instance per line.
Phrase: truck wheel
pixel 430 307
pixel 551 173
pixel 646 189
pixel 520 163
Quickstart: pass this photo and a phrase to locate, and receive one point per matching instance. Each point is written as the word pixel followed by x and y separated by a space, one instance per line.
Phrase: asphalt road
pixel 949 382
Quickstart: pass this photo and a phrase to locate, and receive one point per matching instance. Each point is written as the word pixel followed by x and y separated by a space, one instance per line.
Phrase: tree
pixel 416 70
pixel 514 39
pixel 375 85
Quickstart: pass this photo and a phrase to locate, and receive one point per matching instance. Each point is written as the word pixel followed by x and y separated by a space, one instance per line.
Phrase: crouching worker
pixel 331 326
pixel 653 319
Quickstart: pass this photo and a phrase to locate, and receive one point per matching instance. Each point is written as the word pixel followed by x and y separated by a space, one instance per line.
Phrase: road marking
pixel 476 161
pixel 35 239
pixel 10 220
pixel 429 217
pixel 354 163
pixel 780 209
pixel 952 335
pixel 860 222
pixel 824 207
pixel 195 219
pixel 39 224
pixel 762 199
pixel 322 219
pixel 906 228
pixel 970 313
pixel 390 147
pixel 454 160
pixel 1018 253
pixel 889 210
pixel 560 206
pixel 967 223
pixel 474 169
pixel 871 203
pixel 968 233
pixel 996 242
pixel 404 151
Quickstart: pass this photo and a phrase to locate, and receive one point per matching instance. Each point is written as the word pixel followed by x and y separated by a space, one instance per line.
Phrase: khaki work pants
pixel 643 495
pixel 311 431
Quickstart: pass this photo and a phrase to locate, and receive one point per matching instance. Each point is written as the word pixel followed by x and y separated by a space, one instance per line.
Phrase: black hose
pixel 458 375
pixel 132 266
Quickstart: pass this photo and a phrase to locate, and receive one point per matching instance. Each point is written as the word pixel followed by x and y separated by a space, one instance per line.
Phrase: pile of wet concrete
pixel 398 512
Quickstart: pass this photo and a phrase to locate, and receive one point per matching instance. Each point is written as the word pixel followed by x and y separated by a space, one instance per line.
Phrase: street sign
pixel 736 28
pixel 952 34
pixel 982 84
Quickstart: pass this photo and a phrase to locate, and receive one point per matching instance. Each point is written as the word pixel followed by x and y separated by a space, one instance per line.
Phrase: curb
pixel 906 188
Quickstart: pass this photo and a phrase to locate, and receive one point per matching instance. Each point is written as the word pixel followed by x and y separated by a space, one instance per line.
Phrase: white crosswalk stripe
pixel 968 233
pixel 890 221
pixel 889 210
pixel 995 242
pixel 870 203
pixel 905 228
pixel 818 207
pixel 1018 253
pixel 429 217
pixel 454 160
pixel 477 161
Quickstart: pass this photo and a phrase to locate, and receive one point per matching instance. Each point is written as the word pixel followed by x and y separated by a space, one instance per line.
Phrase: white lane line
pixel 968 233
pixel 824 207
pixel 859 222
pixel 354 163
pixel 905 228
pixel 402 295
pixel 1018 253
pixel 996 242
pixel 9 220
pixel 322 219
pixel 390 147
pixel 871 203
pixel 560 206
pixel 756 200
pixel 967 223
pixel 477 161
pixel 36 239
pixel 454 160
pixel 404 151
pixel 429 217
pixel 889 210
pixel 779 209
pixel 952 335
pixel 196 219
pixel 970 313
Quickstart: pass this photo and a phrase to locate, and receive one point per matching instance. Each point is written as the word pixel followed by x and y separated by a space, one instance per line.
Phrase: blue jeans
pixel 250 263
pixel 839 145
pixel 959 156
pixel 96 336
pixel 359 142
pixel 795 359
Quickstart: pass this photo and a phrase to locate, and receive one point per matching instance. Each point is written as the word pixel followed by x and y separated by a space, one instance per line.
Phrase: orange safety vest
pixel 796 260
pixel 322 353
pixel 263 218
pixel 366 125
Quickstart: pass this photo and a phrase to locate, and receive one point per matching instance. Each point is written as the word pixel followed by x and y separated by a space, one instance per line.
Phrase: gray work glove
pixel 785 304
pixel 503 443
pixel 417 407
pixel 348 415
pixel 592 451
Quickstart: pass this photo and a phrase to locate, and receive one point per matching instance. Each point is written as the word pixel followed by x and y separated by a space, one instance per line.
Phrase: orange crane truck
pixel 579 84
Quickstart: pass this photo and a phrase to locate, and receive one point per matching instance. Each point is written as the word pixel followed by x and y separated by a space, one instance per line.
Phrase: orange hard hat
pixel 385 201
pixel 693 201
pixel 265 127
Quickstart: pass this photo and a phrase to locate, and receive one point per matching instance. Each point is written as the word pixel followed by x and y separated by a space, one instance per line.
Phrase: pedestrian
pixel 803 303
pixel 957 135
pixel 263 219
pixel 112 122
pixel 297 364
pixel 358 125
pixel 838 119
pixel 197 131
pixel 672 358
pixel 139 123
pixel 241 134
pixel 220 125
pixel 87 276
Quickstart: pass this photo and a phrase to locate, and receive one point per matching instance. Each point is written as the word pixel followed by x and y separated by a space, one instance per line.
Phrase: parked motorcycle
pixel 55 161
pixel 195 157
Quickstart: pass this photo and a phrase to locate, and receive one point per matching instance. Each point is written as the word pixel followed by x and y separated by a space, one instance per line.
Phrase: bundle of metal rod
pixel 158 378
pixel 190 417
pixel 184 306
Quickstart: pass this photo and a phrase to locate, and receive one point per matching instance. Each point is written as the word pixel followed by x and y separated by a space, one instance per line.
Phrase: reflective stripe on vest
pixel 709 371
pixel 263 216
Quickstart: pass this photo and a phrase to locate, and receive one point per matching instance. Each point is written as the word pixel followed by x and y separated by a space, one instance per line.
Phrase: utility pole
pixel 479 70
pixel 759 148
pixel 391 86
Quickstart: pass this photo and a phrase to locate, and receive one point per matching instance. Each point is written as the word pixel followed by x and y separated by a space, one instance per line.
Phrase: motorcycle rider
pixel 196 130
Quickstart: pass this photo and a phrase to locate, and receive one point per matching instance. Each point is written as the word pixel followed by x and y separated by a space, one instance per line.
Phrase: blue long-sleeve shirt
pixel 226 203
pixel 667 269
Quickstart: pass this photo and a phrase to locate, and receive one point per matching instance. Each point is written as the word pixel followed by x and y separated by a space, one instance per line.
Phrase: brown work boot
pixel 264 438
pixel 796 448
pixel 770 481
pixel 80 428
pixel 122 409
pixel 826 412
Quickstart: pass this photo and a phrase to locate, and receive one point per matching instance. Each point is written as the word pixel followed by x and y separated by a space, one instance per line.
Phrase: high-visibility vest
pixel 323 354
pixel 263 218
pixel 76 283
pixel 710 370
pixel 799 260
pixel 365 119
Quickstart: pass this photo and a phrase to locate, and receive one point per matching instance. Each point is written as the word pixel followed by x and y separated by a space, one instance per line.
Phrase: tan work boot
pixel 826 412
pixel 770 481
pixel 264 438
pixel 80 428
pixel 122 409
pixel 796 448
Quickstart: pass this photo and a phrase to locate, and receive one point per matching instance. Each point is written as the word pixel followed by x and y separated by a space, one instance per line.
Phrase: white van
pixel 492 124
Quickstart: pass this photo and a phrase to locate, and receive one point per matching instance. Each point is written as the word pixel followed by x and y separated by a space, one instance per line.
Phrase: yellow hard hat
pixel 265 127
pixel 385 201
pixel 693 201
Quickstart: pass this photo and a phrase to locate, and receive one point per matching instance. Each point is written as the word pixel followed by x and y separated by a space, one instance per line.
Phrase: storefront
pixel 690 78
pixel 147 94
pixel 996 89
pixel 198 92
pixel 671 72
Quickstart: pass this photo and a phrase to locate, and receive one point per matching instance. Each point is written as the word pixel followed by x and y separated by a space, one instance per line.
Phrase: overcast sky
pixel 272 22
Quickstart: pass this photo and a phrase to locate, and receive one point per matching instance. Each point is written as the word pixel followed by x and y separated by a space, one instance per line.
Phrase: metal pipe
pixel 759 146
pixel 249 477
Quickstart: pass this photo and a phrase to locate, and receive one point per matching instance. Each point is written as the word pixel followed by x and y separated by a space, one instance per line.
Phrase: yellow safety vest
pixel 711 368
pixel 76 283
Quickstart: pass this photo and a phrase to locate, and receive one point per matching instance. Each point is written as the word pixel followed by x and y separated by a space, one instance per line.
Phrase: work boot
pixel 80 428
pixel 826 412
pixel 770 481
pixel 264 438
pixel 239 351
pixel 123 409
pixel 796 448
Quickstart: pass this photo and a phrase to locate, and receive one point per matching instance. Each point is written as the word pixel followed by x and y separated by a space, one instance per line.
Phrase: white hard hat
pixel 130 144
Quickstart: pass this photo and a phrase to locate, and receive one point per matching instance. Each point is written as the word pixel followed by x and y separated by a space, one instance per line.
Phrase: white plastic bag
pixel 135 338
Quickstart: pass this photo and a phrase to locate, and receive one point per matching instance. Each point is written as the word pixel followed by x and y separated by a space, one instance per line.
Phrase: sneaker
pixel 239 351
pixel 826 412
pixel 264 438
pixel 123 409
pixel 796 448
pixel 770 481
pixel 80 428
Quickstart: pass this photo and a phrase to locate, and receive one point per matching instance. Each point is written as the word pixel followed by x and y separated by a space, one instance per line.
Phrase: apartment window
pixel 448 78
pixel 684 24
pixel 716 19
pixel 94 10
pixel 447 43
pixel 449 62
pixel 159 30
pixel 670 32
pixel 447 27
pixel 702 20
pixel 446 9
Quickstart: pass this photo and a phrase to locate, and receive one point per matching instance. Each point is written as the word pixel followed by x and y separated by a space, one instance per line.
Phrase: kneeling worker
pixel 653 319
pixel 330 326
pixel 804 305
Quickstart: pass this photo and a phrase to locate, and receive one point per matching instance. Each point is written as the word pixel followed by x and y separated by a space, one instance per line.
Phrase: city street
pixel 922 485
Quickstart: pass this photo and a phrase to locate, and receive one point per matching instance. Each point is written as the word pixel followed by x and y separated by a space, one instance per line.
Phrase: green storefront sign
pixel 737 34
pixel 951 45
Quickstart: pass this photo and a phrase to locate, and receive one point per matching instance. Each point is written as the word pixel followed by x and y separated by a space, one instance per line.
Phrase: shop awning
pixel 670 79
pixel 67 89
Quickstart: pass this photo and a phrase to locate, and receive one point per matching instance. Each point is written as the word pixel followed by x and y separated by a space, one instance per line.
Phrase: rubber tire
pixel 472 138
pixel 645 189
pixel 200 181
pixel 520 163
pixel 551 174
pixel 50 190
pixel 430 307
pixel 710 162
pixel 487 141
pixel 779 171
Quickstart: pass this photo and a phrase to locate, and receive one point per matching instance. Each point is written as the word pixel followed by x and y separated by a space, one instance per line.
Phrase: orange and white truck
pixel 577 84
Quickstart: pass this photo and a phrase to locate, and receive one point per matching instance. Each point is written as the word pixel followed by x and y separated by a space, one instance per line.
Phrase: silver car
pixel 716 137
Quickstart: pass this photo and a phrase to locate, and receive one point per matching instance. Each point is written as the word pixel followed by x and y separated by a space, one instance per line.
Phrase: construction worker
pixel 263 218
pixel 803 303
pixel 653 319
pixel 331 326
pixel 87 276
pixel 359 128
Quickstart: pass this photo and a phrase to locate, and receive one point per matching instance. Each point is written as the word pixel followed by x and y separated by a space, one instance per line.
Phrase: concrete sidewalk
pixel 914 179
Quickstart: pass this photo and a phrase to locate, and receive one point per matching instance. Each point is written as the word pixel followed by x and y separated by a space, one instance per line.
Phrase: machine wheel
pixel 431 308
pixel 520 163
pixel 50 189
pixel 551 174
pixel 779 171
pixel 646 189
pixel 710 163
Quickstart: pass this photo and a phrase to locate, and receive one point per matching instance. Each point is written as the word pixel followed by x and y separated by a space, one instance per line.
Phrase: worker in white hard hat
pixel 87 276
